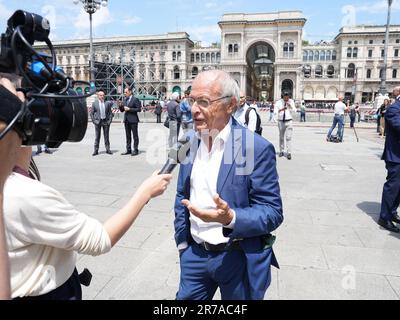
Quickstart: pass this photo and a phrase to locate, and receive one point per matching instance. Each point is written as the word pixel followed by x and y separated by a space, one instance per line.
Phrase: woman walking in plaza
pixel 382 111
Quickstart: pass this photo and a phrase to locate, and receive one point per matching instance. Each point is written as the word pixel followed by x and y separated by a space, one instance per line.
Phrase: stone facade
pixel 264 52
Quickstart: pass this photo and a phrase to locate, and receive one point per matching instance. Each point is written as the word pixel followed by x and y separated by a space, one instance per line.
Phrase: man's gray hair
pixel 175 96
pixel 228 86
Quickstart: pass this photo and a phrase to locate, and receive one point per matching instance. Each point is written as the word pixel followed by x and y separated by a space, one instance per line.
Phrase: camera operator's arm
pixel 119 223
pixel 8 151
pixel 40 215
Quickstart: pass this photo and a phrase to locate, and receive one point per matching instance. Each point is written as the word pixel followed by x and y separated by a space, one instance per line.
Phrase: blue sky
pixel 197 17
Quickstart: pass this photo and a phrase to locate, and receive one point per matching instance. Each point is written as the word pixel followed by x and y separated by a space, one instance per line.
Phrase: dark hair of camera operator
pixel 45 232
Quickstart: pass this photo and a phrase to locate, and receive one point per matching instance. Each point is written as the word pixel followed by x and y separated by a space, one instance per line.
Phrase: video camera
pixel 53 111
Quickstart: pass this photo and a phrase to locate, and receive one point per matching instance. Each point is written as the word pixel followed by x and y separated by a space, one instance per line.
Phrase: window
pixel 349 51
pixel 328 55
pixel 330 71
pixel 355 52
pixel 195 72
pixel 383 41
pixel 286 50
pixel 174 56
pixel 351 70
pixel 291 50
pixel 236 48
pixel 370 53
pixel 307 71
pixel 192 57
pixel 208 57
pixel 218 57
pixel 230 48
pixel 305 55
pixel 310 55
pixel 334 55
pixel 318 71
pixel 381 73
pixel 396 53
pixel 197 57
pixel 350 42
pixel 369 73
pixel 356 42
pixel 179 56
pixel 322 55
pixel 371 41
pixel 394 74
pixel 316 55
pixel 383 53
pixel 213 57
pixel 177 73
pixel 397 40
pixel 203 57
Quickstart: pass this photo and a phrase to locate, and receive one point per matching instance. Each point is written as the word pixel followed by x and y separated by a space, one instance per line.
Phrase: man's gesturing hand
pixel 222 214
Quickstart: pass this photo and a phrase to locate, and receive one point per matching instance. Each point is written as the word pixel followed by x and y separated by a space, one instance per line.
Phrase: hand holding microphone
pixel 177 155
pixel 157 184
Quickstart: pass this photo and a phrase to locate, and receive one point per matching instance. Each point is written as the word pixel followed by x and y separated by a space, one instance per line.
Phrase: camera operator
pixel 8 151
pixel 45 233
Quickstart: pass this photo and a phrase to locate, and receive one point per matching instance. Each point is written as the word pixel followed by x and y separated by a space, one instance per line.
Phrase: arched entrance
pixel 260 71
pixel 287 86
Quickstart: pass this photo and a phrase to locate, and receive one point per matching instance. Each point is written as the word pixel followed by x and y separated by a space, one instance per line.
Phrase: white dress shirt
pixel 287 114
pixel 203 187
pixel 102 110
pixel 240 116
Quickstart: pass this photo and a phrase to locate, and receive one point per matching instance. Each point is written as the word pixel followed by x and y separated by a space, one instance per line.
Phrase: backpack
pixel 259 128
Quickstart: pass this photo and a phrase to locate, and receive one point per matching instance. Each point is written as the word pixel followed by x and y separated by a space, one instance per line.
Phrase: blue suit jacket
pixel 254 194
pixel 392 145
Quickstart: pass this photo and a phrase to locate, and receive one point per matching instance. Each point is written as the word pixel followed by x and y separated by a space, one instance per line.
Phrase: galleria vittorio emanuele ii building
pixel 264 52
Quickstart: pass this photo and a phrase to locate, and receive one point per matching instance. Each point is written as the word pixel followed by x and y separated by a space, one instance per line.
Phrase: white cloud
pixel 132 20
pixel 378 7
pixel 100 18
pixel 210 5
pixel 205 34
pixel 5 13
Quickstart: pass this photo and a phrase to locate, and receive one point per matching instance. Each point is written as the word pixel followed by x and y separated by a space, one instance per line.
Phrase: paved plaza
pixel 329 246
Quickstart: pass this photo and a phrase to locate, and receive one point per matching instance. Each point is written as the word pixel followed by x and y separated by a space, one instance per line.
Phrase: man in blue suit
pixel 391 189
pixel 228 200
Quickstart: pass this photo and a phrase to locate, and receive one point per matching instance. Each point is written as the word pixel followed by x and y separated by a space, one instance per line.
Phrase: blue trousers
pixel 337 120
pixel 391 192
pixel 203 272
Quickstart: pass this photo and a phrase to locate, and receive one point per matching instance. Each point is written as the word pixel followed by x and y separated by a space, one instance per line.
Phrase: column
pixel 299 46
pixel 276 85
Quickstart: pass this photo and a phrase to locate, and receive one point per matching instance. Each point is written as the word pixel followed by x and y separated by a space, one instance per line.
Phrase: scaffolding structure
pixel 116 68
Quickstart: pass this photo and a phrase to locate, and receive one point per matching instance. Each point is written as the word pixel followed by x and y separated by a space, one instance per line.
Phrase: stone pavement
pixel 329 245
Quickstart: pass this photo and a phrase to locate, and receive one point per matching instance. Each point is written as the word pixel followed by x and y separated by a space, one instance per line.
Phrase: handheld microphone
pixel 177 155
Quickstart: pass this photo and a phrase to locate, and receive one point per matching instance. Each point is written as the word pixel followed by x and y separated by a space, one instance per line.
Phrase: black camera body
pixel 53 112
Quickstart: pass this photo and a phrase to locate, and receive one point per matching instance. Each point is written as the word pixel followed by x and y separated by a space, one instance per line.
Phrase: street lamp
pixel 91 6
pixel 383 89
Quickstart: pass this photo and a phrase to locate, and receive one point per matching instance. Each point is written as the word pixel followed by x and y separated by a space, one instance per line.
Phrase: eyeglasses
pixel 204 103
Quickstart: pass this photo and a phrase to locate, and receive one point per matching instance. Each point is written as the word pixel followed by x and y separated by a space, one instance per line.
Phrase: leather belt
pixel 233 246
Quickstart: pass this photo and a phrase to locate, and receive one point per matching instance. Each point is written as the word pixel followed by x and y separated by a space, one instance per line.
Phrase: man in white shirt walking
pixel 340 109
pixel 240 114
pixel 283 112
